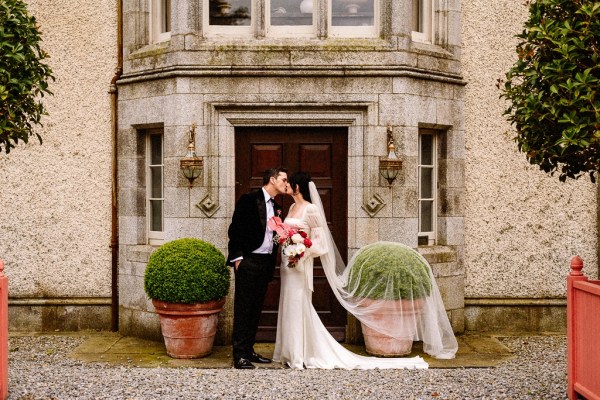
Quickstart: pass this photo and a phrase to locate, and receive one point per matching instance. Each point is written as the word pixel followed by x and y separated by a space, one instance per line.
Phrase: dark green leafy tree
pixel 23 76
pixel 553 87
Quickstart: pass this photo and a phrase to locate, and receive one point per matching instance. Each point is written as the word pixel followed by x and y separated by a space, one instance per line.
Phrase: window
pixel 160 20
pixel 353 18
pixel 422 21
pixel 427 182
pixel 290 18
pixel 229 17
pixel 293 18
pixel 154 186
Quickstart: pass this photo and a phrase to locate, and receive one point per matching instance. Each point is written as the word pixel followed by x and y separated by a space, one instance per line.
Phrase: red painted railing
pixel 3 333
pixel 583 334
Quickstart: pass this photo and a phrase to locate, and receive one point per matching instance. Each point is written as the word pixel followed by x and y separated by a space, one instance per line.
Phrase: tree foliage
pixel 553 87
pixel 23 76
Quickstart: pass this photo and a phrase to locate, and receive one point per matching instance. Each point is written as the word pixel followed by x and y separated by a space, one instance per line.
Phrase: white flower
pixel 296 238
pixel 294 249
pixel 290 250
pixel 300 248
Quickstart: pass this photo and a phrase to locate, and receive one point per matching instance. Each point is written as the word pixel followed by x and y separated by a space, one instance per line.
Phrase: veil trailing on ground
pixel 390 289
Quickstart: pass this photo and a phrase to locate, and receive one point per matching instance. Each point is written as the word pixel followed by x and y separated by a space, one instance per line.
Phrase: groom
pixel 252 253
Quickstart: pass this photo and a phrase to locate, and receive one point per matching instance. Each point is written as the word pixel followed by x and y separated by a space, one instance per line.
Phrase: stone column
pixel 185 20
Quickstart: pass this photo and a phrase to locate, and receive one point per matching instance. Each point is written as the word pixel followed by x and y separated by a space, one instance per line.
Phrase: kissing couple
pixel 302 341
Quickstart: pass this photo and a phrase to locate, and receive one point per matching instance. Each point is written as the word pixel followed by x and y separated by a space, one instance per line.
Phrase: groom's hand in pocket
pixel 237 264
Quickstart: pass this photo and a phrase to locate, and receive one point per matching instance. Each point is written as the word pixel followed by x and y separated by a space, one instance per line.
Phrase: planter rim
pixel 166 308
pixel 391 304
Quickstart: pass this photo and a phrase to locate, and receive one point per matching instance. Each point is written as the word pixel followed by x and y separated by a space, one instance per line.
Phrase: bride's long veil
pixel 427 321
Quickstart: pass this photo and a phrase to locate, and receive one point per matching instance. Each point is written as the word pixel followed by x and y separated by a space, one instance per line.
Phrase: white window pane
pixel 291 12
pixel 230 12
pixel 426 183
pixel 426 150
pixel 156 215
pixel 352 12
pixel 155 149
pixel 426 216
pixel 157 185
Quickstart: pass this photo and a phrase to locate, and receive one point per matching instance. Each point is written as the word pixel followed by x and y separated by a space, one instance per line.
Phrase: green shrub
pixel 553 87
pixel 186 271
pixel 23 76
pixel 388 271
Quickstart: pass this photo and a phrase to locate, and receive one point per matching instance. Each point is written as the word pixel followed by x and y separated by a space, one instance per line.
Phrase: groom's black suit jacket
pixel 248 225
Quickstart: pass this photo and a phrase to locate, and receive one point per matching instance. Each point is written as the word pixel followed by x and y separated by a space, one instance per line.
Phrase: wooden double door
pixel 322 152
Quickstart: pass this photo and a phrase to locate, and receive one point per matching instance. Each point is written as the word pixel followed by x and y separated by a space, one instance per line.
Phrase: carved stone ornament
pixel 208 206
pixel 373 205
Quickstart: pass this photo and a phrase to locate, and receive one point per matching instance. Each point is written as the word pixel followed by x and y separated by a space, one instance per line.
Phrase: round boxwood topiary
pixel 388 271
pixel 186 271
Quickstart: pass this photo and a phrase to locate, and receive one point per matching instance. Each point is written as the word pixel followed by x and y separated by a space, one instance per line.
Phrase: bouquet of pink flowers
pixel 294 242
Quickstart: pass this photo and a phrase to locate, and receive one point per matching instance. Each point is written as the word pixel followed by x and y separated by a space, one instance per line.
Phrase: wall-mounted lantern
pixel 191 165
pixel 390 166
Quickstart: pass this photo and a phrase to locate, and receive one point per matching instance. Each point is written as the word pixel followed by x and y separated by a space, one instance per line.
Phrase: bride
pixel 302 341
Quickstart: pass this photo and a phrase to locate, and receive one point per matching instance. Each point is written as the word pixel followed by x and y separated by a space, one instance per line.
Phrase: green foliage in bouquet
pixel 388 271
pixel 186 271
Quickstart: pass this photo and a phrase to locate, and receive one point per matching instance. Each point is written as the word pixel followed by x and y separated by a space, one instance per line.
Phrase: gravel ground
pixel 39 368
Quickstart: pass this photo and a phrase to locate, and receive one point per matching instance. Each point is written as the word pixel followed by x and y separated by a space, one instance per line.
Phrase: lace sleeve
pixel 318 237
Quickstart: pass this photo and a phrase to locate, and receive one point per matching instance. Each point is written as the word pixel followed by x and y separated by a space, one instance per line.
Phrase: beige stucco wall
pixel 56 197
pixel 521 226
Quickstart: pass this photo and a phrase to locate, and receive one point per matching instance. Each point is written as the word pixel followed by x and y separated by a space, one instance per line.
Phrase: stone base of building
pixel 49 315
pixel 510 317
pixel 516 315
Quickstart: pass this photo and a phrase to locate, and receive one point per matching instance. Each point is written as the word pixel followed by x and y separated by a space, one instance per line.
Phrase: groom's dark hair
pixel 272 173
pixel 300 180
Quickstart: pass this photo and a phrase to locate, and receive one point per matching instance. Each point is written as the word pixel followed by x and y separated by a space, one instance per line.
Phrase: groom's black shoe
pixel 243 363
pixel 257 358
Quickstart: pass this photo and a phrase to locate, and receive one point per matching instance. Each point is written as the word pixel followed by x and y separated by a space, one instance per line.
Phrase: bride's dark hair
pixel 300 180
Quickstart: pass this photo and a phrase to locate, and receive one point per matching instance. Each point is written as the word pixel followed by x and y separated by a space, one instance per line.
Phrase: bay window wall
pixel 293 18
pixel 302 18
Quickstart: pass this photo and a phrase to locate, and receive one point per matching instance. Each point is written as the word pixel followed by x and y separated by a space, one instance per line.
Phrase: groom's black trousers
pixel 251 279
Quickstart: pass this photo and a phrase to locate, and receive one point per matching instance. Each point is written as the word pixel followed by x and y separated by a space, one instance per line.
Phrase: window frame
pixel 244 31
pixel 424 34
pixel 430 235
pixel 160 24
pixel 354 32
pixel 154 237
pixel 290 31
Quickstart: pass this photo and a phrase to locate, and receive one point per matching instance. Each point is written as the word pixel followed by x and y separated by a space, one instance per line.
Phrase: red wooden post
pixel 575 275
pixel 583 325
pixel 3 333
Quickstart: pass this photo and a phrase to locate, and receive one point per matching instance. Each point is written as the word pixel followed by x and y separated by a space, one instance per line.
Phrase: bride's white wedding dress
pixel 302 339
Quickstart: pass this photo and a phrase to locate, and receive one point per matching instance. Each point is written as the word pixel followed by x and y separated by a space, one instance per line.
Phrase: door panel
pixel 321 151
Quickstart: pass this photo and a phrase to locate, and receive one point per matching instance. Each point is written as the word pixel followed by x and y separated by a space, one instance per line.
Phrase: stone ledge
pixel 53 317
pixel 437 254
pixel 518 317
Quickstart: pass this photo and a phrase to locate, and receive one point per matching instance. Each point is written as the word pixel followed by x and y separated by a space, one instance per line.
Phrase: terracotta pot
pixel 188 329
pixel 389 317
